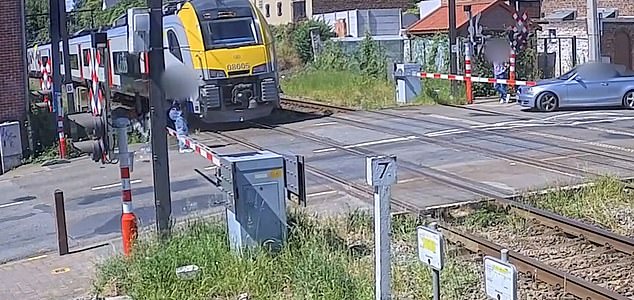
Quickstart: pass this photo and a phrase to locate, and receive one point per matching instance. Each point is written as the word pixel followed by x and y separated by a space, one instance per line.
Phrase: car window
pixel 597 72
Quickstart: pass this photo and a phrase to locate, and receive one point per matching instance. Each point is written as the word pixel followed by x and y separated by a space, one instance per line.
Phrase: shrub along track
pixel 532 268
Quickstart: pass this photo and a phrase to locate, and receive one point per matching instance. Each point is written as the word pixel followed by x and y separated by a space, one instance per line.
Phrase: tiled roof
pixel 438 20
pixel 327 6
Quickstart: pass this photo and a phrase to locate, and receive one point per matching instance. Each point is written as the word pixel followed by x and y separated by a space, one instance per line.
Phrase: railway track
pixel 533 268
pixel 598 249
pixel 560 168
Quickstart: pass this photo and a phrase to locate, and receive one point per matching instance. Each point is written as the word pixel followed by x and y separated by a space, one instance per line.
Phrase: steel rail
pixel 602 153
pixel 550 166
pixel 538 270
pixel 439 176
pixel 360 191
pixel 285 100
pixel 592 233
pixel 532 267
pixel 558 144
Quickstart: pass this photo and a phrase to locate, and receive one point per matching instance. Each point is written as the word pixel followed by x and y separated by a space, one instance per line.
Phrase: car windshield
pixel 231 32
pixel 568 74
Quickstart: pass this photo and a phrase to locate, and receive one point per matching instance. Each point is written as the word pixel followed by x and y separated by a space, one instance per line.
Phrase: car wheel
pixel 628 100
pixel 547 102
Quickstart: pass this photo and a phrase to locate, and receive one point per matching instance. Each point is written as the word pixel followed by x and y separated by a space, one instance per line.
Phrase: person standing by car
pixel 499 72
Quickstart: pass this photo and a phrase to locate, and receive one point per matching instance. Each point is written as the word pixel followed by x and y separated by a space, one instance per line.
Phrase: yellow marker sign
pixel 275 173
pixel 429 244
pixel 500 269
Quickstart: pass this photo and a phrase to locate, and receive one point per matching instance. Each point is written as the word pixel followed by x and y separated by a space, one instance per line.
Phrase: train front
pixel 232 49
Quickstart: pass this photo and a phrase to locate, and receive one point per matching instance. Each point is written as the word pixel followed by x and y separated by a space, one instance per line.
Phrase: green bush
pixel 340 87
pixel 302 41
pixel 332 58
pixel 371 58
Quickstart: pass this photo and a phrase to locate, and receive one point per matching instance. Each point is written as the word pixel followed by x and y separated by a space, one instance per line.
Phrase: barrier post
pixel 60 218
pixel 467 68
pixel 128 219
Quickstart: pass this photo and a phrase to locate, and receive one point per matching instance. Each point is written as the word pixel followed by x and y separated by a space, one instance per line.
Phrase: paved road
pixel 581 143
pixel 93 199
pixel 569 138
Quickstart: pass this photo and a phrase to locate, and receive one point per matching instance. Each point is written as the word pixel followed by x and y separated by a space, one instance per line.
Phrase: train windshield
pixel 231 32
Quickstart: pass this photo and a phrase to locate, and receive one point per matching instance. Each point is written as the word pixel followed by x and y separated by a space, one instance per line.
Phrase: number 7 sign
pixel 381 170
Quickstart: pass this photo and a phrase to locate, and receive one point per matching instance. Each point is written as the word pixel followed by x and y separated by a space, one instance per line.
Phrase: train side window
pixel 120 62
pixel 175 48
pixel 102 56
pixel 74 61
pixel 86 57
pixel 268 10
pixel 279 8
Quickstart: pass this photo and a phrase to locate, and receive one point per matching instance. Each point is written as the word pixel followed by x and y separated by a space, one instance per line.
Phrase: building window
pixel 175 48
pixel 279 9
pixel 299 11
pixel 267 9
pixel 61 58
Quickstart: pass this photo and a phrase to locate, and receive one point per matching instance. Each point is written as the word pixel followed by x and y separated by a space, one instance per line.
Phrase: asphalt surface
pixel 594 141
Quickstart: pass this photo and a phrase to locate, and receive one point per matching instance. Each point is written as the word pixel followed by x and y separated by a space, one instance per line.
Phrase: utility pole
pixel 594 36
pixel 158 112
pixel 57 76
pixel 453 49
pixel 68 79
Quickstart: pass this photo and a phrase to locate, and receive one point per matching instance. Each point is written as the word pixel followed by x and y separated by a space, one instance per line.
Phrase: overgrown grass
pixel 350 89
pixel 606 202
pixel 323 259
pixel 341 88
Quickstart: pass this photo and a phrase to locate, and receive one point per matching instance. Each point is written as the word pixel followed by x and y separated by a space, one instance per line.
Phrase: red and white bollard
pixel 467 71
pixel 128 219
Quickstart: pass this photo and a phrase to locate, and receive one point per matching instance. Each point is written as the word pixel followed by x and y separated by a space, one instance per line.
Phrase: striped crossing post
pixel 467 71
pixel 128 219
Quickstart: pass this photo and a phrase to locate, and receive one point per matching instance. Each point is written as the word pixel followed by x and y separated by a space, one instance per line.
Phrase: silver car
pixel 591 84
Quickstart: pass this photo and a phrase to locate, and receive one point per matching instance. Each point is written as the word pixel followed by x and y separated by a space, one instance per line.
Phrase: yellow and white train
pixel 226 45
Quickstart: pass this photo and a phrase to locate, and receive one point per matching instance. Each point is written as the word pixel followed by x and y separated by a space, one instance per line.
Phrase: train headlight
pixel 216 74
pixel 260 69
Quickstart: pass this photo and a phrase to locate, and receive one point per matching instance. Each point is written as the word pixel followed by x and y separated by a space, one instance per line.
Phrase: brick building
pixel 561 20
pixel 13 80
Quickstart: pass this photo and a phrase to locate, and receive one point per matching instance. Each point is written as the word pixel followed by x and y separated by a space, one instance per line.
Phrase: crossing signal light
pixel 96 129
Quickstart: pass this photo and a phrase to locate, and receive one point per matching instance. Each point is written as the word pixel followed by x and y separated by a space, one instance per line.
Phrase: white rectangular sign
pixel 431 247
pixel 381 170
pixel 500 279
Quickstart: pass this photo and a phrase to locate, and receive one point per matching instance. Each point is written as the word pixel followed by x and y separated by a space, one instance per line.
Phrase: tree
pixel 37 21
pixel 88 14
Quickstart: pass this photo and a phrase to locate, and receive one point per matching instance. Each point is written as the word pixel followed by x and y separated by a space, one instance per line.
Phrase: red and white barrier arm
pixel 199 148
pixel 476 79
pixel 504 81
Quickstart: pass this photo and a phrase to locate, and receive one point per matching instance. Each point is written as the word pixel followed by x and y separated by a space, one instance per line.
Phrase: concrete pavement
pixel 589 140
